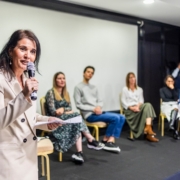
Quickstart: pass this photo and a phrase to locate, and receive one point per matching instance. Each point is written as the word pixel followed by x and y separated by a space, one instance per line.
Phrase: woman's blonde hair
pixel 127 80
pixel 65 93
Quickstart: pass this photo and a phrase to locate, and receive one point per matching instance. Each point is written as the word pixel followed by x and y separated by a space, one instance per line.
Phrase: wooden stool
pixel 45 147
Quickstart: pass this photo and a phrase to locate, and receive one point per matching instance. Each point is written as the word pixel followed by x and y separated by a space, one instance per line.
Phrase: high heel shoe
pixel 176 135
pixel 148 130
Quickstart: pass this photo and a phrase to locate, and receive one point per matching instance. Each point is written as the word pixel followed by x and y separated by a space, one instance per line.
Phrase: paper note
pixel 77 119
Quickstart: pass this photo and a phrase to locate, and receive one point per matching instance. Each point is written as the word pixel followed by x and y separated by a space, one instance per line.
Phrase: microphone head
pixel 30 66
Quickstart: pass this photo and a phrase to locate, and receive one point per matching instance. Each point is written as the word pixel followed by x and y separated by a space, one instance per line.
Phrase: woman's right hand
pixel 171 86
pixel 59 111
pixel 30 86
pixel 134 108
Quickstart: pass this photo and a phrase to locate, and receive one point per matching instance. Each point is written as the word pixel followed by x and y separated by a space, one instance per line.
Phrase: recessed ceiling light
pixel 148 1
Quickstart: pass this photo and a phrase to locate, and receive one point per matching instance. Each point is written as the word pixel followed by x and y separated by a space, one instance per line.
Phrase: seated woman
pixel 169 106
pixel 139 115
pixel 58 104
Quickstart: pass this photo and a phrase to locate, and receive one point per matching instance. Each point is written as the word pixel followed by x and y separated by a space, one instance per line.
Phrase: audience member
pixel 139 115
pixel 88 101
pixel 169 95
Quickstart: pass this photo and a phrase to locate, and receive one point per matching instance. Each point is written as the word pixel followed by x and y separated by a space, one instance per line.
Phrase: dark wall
pixel 158 43
pixel 159 52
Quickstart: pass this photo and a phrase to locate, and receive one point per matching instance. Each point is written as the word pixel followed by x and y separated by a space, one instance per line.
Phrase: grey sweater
pixel 86 97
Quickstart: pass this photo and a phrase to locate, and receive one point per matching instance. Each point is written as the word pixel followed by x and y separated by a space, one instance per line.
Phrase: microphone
pixel 31 73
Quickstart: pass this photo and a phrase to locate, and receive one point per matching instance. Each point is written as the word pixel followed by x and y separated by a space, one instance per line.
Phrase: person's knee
pixel 118 118
pixel 122 119
pixel 148 105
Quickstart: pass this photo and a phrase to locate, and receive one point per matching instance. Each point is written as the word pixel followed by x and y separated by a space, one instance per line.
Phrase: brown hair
pixel 65 93
pixel 168 76
pixel 11 44
pixel 127 79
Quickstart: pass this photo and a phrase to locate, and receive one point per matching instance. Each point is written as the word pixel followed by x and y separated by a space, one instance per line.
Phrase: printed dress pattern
pixel 65 135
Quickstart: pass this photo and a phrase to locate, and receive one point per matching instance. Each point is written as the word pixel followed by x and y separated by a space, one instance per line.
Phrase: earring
pixel 10 62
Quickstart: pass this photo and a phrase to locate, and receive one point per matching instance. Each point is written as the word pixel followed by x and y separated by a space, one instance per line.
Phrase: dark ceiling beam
pixel 86 11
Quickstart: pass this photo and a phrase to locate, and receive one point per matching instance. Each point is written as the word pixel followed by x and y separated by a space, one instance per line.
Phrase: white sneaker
pixel 78 157
pixel 95 145
pixel 110 146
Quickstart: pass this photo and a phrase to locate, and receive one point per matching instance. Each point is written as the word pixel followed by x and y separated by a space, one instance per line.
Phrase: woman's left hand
pixel 68 112
pixel 53 126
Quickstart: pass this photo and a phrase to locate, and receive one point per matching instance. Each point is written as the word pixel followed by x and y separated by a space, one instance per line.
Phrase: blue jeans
pixel 115 122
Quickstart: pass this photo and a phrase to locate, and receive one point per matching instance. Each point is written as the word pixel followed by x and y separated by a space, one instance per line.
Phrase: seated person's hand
pixel 68 112
pixel 171 86
pixel 134 108
pixel 137 108
pixel 59 111
pixel 52 126
pixel 98 110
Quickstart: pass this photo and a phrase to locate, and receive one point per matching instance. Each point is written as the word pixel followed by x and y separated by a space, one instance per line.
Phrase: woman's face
pixel 24 52
pixel 132 79
pixel 60 81
pixel 169 82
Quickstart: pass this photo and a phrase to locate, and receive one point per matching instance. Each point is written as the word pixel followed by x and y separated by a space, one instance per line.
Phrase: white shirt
pixel 131 98
pixel 175 72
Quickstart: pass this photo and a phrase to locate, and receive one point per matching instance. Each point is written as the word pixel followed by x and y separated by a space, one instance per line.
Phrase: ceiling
pixel 165 11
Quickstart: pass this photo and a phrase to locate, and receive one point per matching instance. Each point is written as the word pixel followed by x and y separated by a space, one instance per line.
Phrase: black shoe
pixel 176 135
pixel 110 146
pixel 78 157
pixel 95 145
pixel 104 142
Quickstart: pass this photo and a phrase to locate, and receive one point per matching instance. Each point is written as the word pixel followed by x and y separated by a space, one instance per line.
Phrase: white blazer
pixel 18 143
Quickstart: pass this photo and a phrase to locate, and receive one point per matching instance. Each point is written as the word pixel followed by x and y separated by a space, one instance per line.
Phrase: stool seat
pixel 96 126
pixel 44 146
pixel 99 124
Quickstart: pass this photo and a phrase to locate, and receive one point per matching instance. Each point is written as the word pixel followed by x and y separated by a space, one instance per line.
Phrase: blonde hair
pixel 127 80
pixel 65 93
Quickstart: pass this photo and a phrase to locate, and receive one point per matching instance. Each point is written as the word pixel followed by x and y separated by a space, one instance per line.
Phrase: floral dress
pixel 65 135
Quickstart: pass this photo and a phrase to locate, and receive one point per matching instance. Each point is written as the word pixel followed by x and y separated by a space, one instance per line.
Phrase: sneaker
pixel 95 145
pixel 78 157
pixel 104 142
pixel 110 146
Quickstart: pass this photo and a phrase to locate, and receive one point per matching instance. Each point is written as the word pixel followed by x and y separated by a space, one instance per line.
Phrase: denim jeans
pixel 115 122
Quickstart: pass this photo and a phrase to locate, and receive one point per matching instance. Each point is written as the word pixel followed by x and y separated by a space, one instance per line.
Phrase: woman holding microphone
pixel 18 142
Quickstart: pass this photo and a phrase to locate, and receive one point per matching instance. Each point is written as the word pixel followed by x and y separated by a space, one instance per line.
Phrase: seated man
pixel 88 102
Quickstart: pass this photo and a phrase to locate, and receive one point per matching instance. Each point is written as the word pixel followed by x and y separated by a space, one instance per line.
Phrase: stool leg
pixel 42 134
pixel 94 132
pixel 60 156
pixel 159 123
pixel 162 126
pixel 42 164
pixel 131 134
pixel 97 133
pixel 47 166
